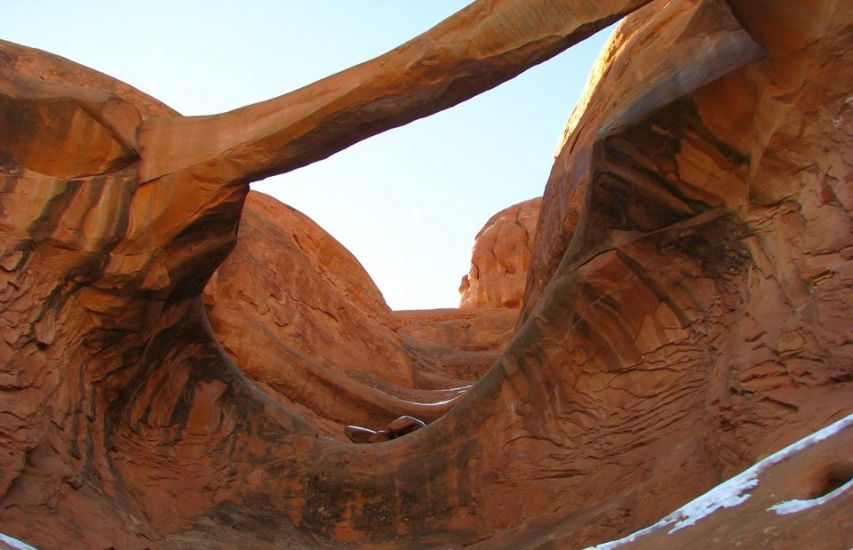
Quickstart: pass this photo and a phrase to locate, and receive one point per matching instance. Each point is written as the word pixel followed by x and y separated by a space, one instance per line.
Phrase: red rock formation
pixel 321 337
pixel 687 309
pixel 500 258
pixel 460 343
pixel 288 275
pixel 791 499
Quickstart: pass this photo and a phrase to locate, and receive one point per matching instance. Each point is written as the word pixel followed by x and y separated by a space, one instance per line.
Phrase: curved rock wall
pixel 297 313
pixel 686 311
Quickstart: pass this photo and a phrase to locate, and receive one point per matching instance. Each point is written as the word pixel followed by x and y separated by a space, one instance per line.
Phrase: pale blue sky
pixel 408 202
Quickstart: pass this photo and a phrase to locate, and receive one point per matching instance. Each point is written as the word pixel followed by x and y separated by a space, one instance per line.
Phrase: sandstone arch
pixel 688 285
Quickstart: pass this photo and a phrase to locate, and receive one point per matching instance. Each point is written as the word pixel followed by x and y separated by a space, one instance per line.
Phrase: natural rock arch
pixel 687 286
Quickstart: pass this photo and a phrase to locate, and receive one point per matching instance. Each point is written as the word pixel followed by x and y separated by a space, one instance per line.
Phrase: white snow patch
pixel 733 492
pixel 794 506
pixel 725 495
pixel 15 543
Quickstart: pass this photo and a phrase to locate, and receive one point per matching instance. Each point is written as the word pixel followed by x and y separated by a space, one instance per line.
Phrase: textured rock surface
pixel 461 343
pixel 295 278
pixel 500 258
pixel 687 309
pixel 796 498
pixel 302 318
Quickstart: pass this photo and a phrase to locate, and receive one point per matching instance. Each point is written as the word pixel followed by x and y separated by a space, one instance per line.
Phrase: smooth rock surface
pixel 396 428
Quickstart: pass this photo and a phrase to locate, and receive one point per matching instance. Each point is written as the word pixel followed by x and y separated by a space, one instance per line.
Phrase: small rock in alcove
pixel 394 429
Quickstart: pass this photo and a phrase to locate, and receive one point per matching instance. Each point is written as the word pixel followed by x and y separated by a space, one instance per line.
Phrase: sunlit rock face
pixel 299 315
pixel 500 258
pixel 686 312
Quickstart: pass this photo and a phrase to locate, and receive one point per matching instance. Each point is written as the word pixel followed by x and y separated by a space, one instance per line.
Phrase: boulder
pixel 500 258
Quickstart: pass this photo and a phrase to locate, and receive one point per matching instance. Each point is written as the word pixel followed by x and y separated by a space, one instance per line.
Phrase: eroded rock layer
pixel 301 317
pixel 500 258
pixel 687 309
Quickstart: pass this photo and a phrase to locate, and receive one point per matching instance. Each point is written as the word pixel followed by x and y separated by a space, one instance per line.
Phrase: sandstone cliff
pixel 500 258
pixel 687 308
